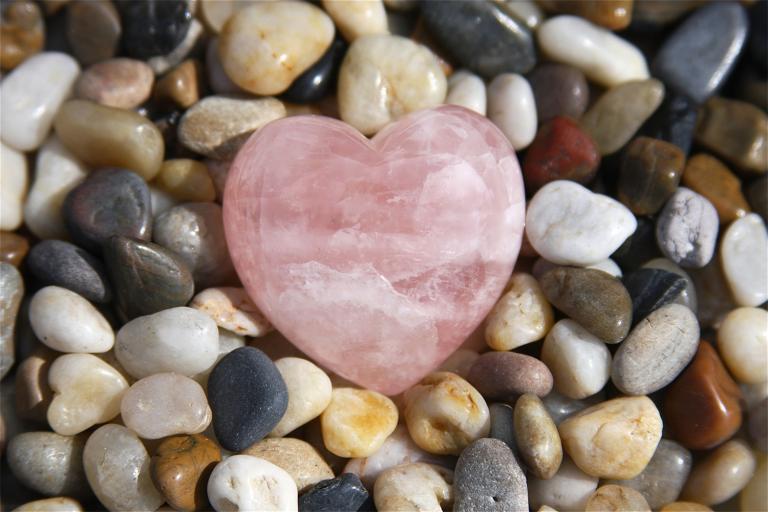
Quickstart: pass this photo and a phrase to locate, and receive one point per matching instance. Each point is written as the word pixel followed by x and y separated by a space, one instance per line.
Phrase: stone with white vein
pixel 686 229
pixel 512 108
pixel 466 89
pixel 244 482
pixel 232 309
pixel 13 187
pixel 744 255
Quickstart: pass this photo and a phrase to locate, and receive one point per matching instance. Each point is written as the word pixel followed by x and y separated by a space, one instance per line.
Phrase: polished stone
pixel 318 81
pixel 345 492
pixel 22 33
pixel 650 289
pixel 93 30
pixel 687 228
pixel 502 376
pixel 650 173
pixel 13 248
pixel 674 121
pixel 153 27
pixel 709 177
pixel 611 14
pixel 55 262
pixel 560 90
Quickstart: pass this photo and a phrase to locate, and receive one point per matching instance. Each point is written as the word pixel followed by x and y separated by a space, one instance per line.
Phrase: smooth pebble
pixel 686 229
pixel 244 482
pixel 121 83
pixel 502 376
pixel 512 107
pixel 93 30
pixel 467 90
pixel 232 309
pixel 721 475
pixel 63 264
pixel 521 316
pixel 567 491
pixel 413 487
pixel 13 178
pixel 48 463
pixel 185 180
pixel 536 437
pixel 345 492
pixel 60 504
pixel 11 294
pixel 618 498
pixel 560 90
pixel 742 340
pixel 652 288
pixel 357 19
pixel 309 393
pixel 743 251
pixel 298 458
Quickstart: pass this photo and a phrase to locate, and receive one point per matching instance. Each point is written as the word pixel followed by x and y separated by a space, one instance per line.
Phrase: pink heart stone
pixel 377 258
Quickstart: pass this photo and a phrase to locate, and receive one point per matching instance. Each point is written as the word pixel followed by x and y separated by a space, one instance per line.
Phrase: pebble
pixel 593 298
pixel 357 421
pixel 503 376
pixel 180 339
pixel 686 297
pixel 87 391
pixel 66 322
pixel 117 466
pixel 120 83
pixel 298 458
pixel 602 56
pixel 180 469
pixel 215 13
pixel 694 63
pixel 48 463
pixel 706 175
pixel 319 79
pixel 467 90
pixel 244 482
pixel 614 439
pixel 511 107
pixel 713 295
pixel 706 392
pixel 663 478
pixel 33 395
pixel 560 91
pixel 736 131
pixel 31 95
pixel 11 293
pixel 650 173
pixel 181 85
pixel 757 427
pixel 620 112
pixel 13 248
pixel 526 11
pixel 357 19
pixel 232 309
pixel 153 27
pixel 23 33
pixel 186 180
pixel 686 229
pixel 639 247
pixel 384 77
pixel 413 487
pixel 754 496
pixel 568 490
pixel 721 475
pixel 59 263
pixel 616 497
pixel 61 504
pixel 13 176
pixel 161 64
pixel 493 43
pixel 102 136
pixel 195 232
pixel 674 121
pixel 758 197
pixel 536 437
pixel 217 126
pixel 611 14
pixel 444 413
pixel 248 398
pixel 742 341
pixel 57 171
pixel 579 361
pixel 217 77
pixel 684 506
pixel 652 288
pixel 93 30
pixel 345 492
pixel 569 225
pixel 743 250
pixel 147 277
pixel 257 42
pixel 309 393
pixel 502 424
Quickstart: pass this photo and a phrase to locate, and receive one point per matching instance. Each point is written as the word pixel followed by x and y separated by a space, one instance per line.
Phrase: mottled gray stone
pixel 502 424
pixel 60 263
pixel 686 229
pixel 11 292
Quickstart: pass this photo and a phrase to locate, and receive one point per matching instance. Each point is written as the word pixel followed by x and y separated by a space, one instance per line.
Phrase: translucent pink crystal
pixel 376 258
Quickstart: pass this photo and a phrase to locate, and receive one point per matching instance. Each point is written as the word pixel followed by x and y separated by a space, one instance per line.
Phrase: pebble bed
pixel 623 368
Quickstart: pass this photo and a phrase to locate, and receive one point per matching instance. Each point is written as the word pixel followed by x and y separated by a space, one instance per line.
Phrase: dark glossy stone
pixel 55 262
pixel 93 30
pixel 317 81
pixel 13 248
pixel 699 55
pixel 674 121
pixel 650 173
pixel 611 14
pixel 559 90
pixel 481 36
pixel 345 492
pixel 758 35
pixel 153 27
pixel 147 278
pixel 110 202
pixel 639 247
pixel 248 397
pixel 502 424
pixel 593 298
pixel 651 288
pixel 758 197
pixel 506 375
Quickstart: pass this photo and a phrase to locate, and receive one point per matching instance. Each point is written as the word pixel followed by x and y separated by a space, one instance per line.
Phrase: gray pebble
pixel 687 296
pixel 60 263
pixel 11 293
pixel 561 407
pixel 502 424
pixel 686 229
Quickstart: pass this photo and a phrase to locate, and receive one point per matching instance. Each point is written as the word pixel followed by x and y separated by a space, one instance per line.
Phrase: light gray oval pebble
pixel 49 463
pixel 686 229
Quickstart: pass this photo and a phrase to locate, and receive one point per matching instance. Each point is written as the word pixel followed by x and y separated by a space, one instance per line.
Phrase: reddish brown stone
pixel 13 248
pixel 709 177
pixel 560 151
pixel 701 409
pixel 611 14
pixel 506 375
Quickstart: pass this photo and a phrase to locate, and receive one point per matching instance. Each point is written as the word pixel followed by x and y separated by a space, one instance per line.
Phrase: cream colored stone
pixel 444 413
pixel 415 487
pixel 467 90
pixel 357 18
pixel 244 482
pixel 87 391
pixel 616 498
pixel 383 77
pixel 568 490
pixel 264 47
pixel 536 437
pixel 13 187
pixel 546 508
pixel 744 255
pixel 613 439
pixel 357 422
pixel 215 13
pixel 742 340
pixel 298 458
pixel 61 504
pixel 526 11
pixel 512 107
pixel 232 309
pixel 309 393
pixel 755 495
pixel 522 315
pixel 721 475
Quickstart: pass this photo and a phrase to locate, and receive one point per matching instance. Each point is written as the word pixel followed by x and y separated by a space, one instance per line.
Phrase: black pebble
pixel 319 79
pixel 60 263
pixel 674 121
pixel 638 248
pixel 651 288
pixel 344 493
pixel 153 27
pixel 758 36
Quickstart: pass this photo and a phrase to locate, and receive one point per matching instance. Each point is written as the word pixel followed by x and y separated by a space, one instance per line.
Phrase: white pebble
pixel 244 482
pixel 309 393
pixel 13 187
pixel 466 89
pixel 744 255
pixel 742 340
pixel 569 489
pixel 357 19
pixel 512 108
pixel 521 316
pixel 232 309
pixel 686 229
pixel 413 487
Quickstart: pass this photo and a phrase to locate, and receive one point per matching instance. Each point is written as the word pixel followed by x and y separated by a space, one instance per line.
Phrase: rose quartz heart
pixel 376 258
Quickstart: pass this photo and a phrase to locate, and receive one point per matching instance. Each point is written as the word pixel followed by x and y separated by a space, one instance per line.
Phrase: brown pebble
pixel 650 173
pixel 186 180
pixel 33 394
pixel 93 30
pixel 180 470
pixel 121 83
pixel 536 437
pixel 22 32
pixel 616 498
pixel 559 90
pixel 181 85
pixel 506 375
pixel 54 6
pixel 611 14
pixel 13 248
pixel 709 177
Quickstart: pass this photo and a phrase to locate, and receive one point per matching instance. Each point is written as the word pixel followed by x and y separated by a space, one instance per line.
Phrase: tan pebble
pixel 616 498
pixel 298 458
pixel 33 394
pixel 61 504
pixel 22 33
pixel 536 437
pixel 755 495
pixel 684 506
pixel 215 13
pixel 613 439
pixel 356 19
pixel 232 309
pixel 120 83
pixel 742 341
pixel 181 85
pixel 93 30
pixel 416 487
pixel 444 413
pixel 309 393
pixel 186 180
pixel 721 475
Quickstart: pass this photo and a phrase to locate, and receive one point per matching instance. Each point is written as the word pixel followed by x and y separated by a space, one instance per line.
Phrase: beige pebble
pixel 232 309
pixel 357 19
pixel 357 422
pixel 613 439
pixel 536 437
pixel 186 180
pixel 384 77
pixel 467 90
pixel 755 495
pixel 60 504
pixel 13 187
pixel 616 498
pixel 415 487
pixel 522 315
pixel 721 475
pixel 444 413
pixel 546 508
pixel 120 83
pixel 568 490
pixel 298 458
pixel 742 340
pixel 215 13
pixel 264 47
pixel 743 250
pixel 309 393
pixel 684 506
pixel 180 85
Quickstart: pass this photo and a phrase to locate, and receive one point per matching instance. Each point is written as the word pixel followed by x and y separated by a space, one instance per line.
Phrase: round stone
pixel 487 477
pixel 721 475
pixel 569 489
pixel 686 229
pixel 742 252
pixel 48 463
pixel 121 83
pixel 249 483
pixel 415 486
pixel 181 85
pixel 309 393
pixel 650 172
pixel 467 90
pixel 512 108
pixel 560 91
pixel 502 376
pixel 59 263
pixel 93 30
pixel 345 492
pixel 742 341
pixel 153 27
pixel 536 437
pixel 298 458
pixel 616 497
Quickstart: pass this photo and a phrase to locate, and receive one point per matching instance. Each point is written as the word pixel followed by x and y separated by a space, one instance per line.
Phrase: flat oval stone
pixel 59 263
pixel 691 61
pixel 560 91
pixel 13 172
pixel 309 393
pixel 616 497
pixel 742 341
pixel 13 248
pixel 595 299
pixel 153 27
pixel 611 14
pixel 493 43
pixel 61 504
pixel 674 121
pixel 686 229
pixel 569 489
pixel 48 463
pixel 652 288
pixel 504 375
pixel 121 83
pixel 487 477
pixel 413 487
pixel 249 483
pixel 536 437
pixel 656 351
pixel 721 475
pixel 93 30
pixel 512 108
pixel 650 173
pixel 23 33
pixel 345 492
pixel 298 458
pixel 701 408
pixel 706 175
pixel 11 293
pixel 248 397
pixel 467 90
pixel 742 254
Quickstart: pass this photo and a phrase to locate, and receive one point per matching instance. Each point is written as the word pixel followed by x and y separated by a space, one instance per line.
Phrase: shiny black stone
pixel 638 248
pixel 674 121
pixel 153 27
pixel 343 493
pixel 319 79
pixel 60 263
pixel 651 288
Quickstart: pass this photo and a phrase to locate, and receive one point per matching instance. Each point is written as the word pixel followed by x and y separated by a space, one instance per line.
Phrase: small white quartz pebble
pixel 569 489
pixel 570 225
pixel 67 322
pixel 603 56
pixel 232 309
pixel 686 229
pixel 742 340
pixel 30 96
pixel 413 487
pixel 13 187
pixel 356 19
pixel 512 108
pixel 522 315
pixel 244 482
pixel 466 89
pixel 744 255
pixel 309 393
